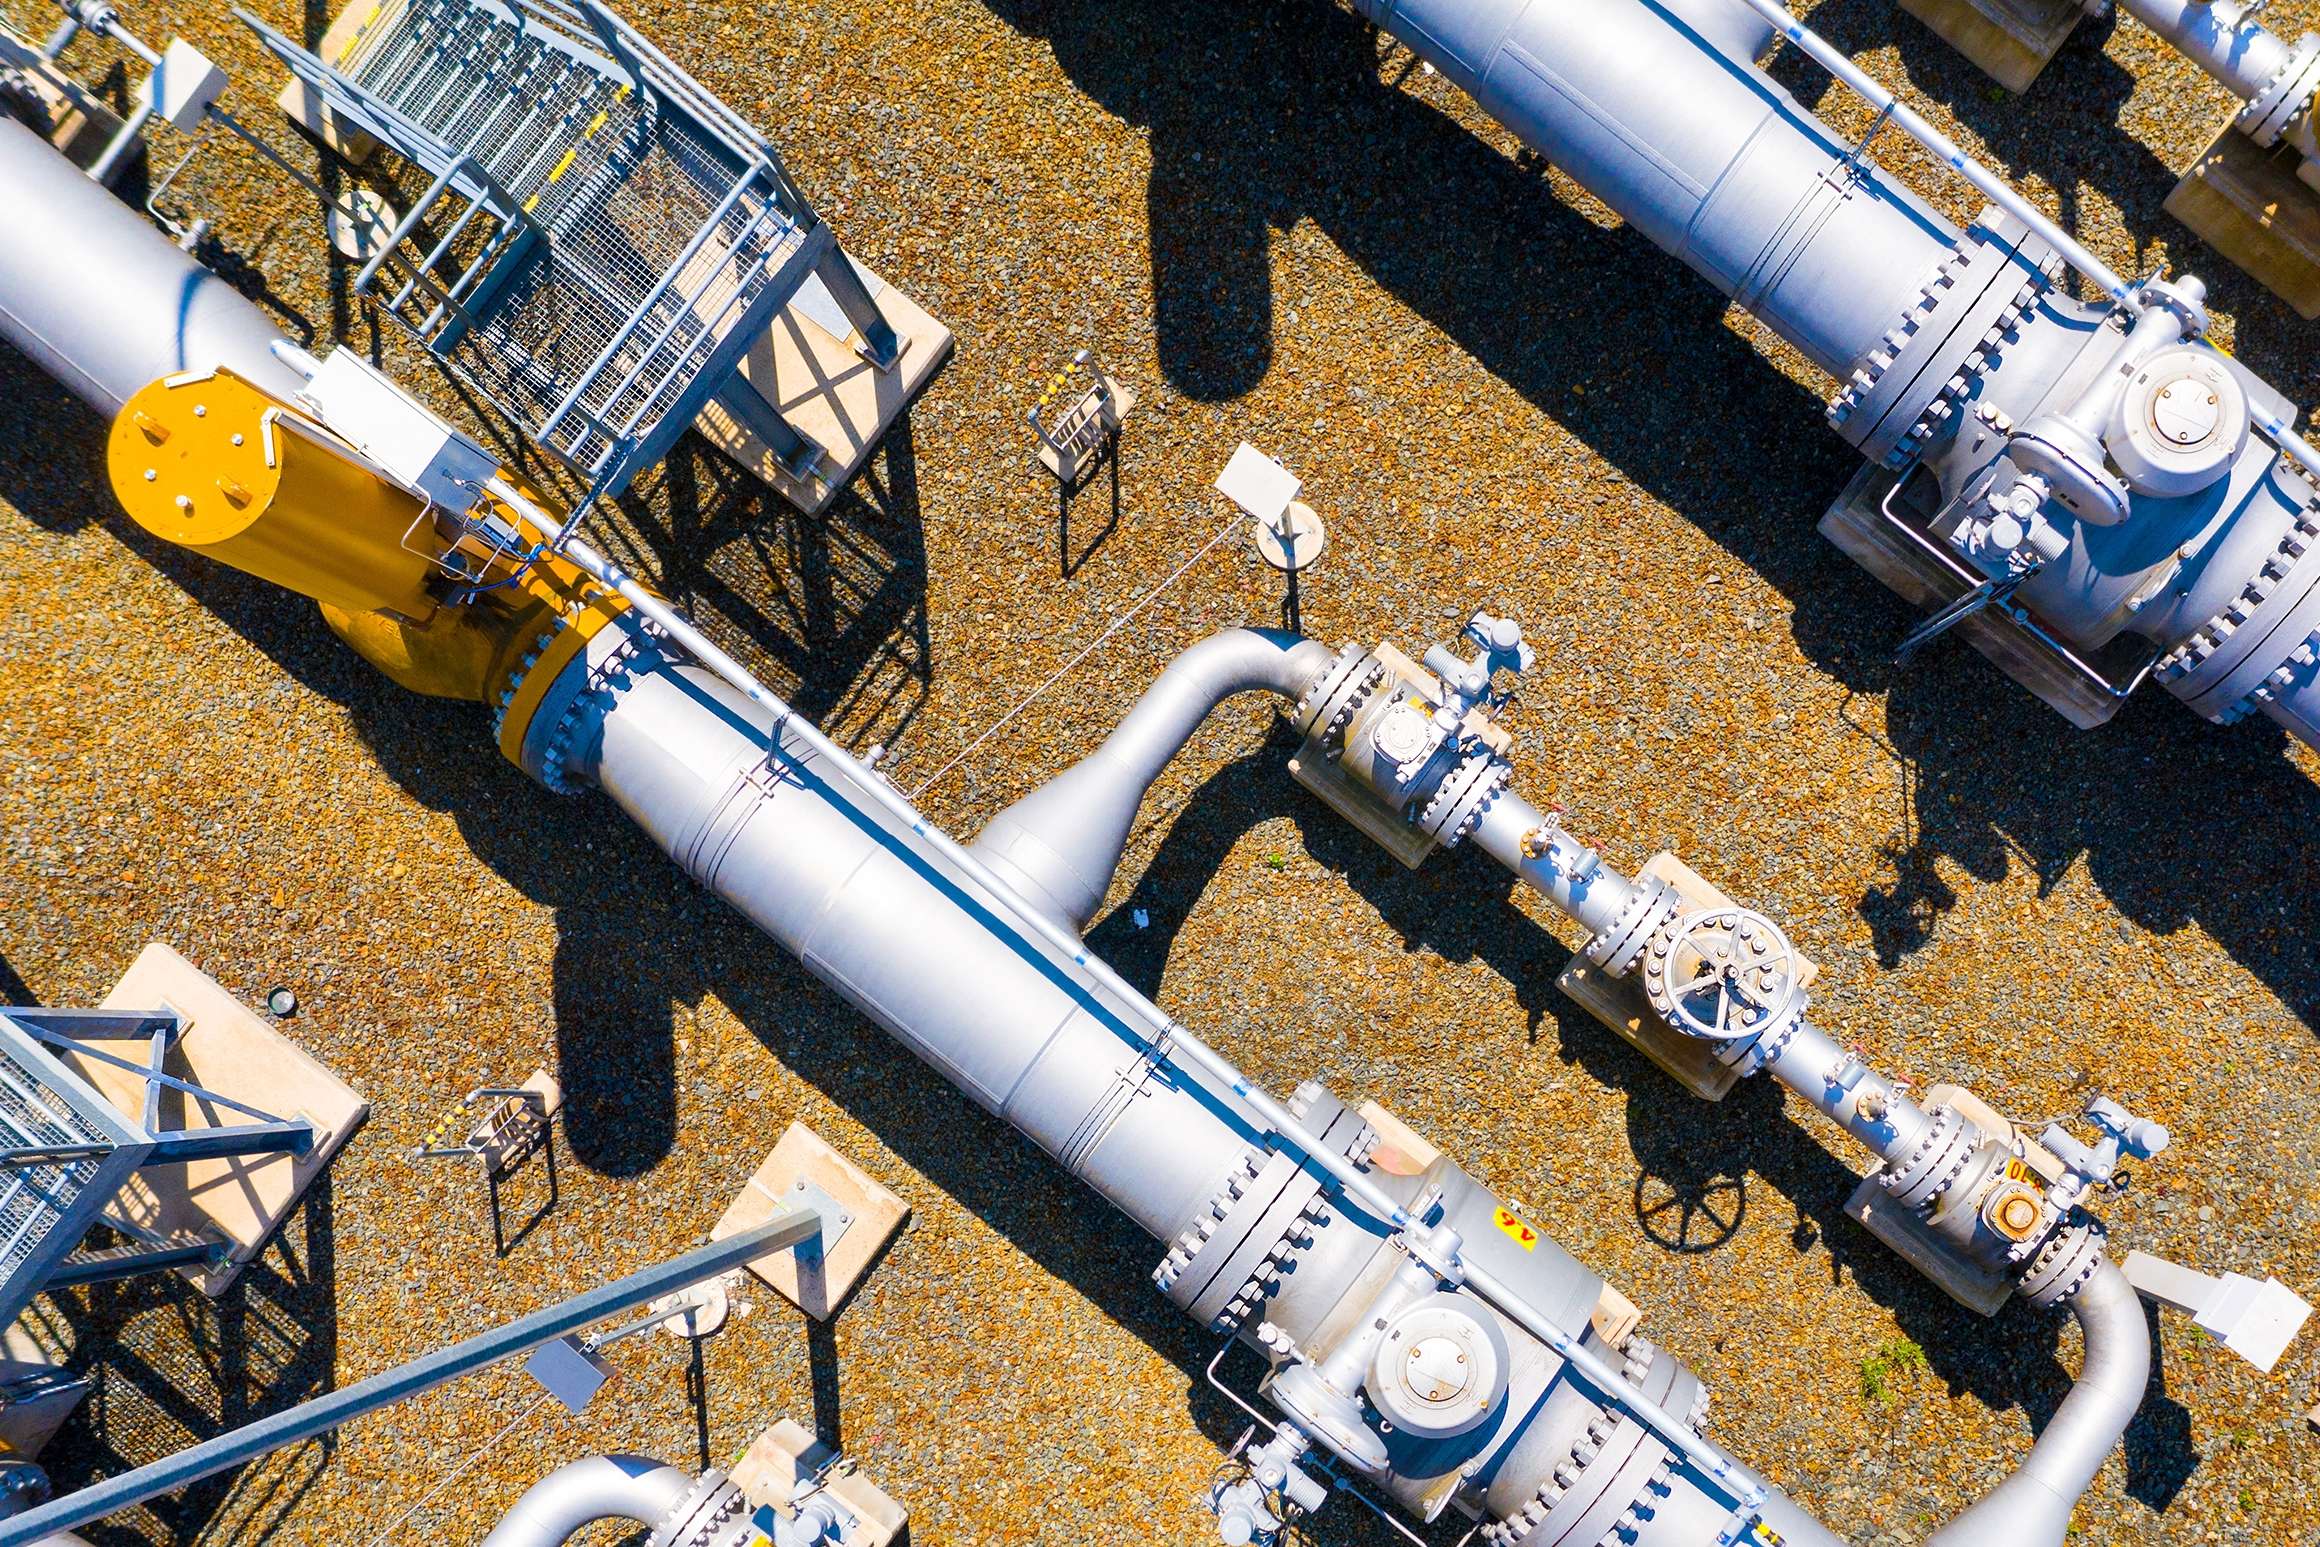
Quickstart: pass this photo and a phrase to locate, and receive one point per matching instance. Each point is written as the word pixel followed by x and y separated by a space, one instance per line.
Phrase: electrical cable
pixel 1067 667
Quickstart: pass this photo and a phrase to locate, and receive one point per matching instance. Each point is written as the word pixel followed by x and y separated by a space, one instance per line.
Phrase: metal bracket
pixel 837 1219
pixel 1989 593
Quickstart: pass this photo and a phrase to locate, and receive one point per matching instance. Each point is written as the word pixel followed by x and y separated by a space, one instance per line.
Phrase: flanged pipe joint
pixel 2090 493
pixel 1385 1373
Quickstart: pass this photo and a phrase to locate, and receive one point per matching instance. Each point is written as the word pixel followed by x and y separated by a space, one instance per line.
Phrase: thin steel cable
pixel 458 1471
pixel 1069 666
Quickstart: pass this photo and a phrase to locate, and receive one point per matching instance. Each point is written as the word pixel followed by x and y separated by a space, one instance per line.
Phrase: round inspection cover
pixel 1441 1367
pixel 2180 425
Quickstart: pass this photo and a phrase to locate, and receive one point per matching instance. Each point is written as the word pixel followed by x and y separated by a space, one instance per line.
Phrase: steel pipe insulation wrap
pixel 594 1488
pixel 1697 149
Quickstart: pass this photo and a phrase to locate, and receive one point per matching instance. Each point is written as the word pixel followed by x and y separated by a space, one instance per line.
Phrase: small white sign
pixel 1258 484
pixel 183 85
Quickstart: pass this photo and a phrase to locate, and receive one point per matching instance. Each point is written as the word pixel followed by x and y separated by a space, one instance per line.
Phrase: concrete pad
pixel 70 117
pixel 785 1463
pixel 2010 40
pixel 2248 204
pixel 1917 573
pixel 829 394
pixel 816 1282
pixel 304 107
pixel 1620 1003
pixel 1977 1288
pixel 1400 1150
pixel 226 1048
pixel 1615 1317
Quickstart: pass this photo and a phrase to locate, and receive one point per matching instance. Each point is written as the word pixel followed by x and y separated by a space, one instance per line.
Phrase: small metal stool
pixel 1094 405
pixel 518 1124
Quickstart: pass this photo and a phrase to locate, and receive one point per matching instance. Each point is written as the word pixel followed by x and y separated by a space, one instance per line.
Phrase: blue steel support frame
pixel 52 1227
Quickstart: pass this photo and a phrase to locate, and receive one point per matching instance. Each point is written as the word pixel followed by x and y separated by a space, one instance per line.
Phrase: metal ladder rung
pixel 452 73
pixel 520 108
pixel 581 119
pixel 435 254
pixel 557 110
pixel 460 88
pixel 516 159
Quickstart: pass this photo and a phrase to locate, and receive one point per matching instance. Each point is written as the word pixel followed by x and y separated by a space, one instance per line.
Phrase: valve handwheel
pixel 1722 974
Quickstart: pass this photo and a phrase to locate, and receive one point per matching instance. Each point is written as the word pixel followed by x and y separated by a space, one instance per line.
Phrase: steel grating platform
pixel 603 239
pixel 66 1151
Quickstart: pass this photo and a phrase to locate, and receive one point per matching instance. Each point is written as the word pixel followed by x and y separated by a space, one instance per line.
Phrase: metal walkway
pixel 66 1152
pixel 602 238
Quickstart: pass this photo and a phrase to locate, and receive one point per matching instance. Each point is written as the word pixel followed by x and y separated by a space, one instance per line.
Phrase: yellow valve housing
pixel 212 463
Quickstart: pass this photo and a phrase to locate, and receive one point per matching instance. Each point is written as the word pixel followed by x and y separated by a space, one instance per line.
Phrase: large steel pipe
pixel 1696 148
pixel 2222 37
pixel 764 820
pixel 2072 507
pixel 1277 1223
pixel 98 299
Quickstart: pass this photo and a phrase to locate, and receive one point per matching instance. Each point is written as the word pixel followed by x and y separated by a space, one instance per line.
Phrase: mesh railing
pixel 41 1199
pixel 622 226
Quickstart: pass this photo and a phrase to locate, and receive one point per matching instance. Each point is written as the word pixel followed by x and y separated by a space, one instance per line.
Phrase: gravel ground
pixel 1275 231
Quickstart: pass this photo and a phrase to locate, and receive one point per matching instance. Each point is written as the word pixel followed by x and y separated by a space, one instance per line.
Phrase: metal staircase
pixel 602 238
pixel 66 1152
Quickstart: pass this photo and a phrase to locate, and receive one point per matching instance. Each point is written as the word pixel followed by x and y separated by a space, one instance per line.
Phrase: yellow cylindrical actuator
pixel 213 464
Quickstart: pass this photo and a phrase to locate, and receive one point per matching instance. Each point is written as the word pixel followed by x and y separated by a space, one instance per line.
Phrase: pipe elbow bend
pixel 2032 1507
pixel 593 1488
pixel 1060 844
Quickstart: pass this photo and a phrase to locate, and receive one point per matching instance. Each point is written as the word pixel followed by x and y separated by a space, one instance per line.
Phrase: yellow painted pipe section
pixel 213 464
pixel 216 465
pixel 459 653
pixel 574 609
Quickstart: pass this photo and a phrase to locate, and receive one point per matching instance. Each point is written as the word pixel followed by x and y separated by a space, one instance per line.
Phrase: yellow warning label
pixel 2019 1172
pixel 1524 1236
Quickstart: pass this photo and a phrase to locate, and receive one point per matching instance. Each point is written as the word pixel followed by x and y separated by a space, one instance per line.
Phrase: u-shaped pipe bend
pixel 591 1489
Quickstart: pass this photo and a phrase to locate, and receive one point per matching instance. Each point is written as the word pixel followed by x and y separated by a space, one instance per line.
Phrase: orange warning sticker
pixel 1524 1236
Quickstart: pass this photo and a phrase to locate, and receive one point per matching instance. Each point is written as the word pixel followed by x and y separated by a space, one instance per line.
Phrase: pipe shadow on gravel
pixel 1261 115
pixel 845 637
pixel 1464 909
